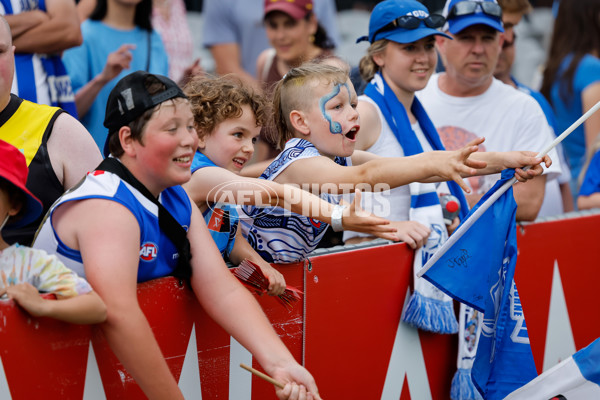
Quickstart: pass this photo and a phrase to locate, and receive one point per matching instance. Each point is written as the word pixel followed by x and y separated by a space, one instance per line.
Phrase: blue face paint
pixel 334 127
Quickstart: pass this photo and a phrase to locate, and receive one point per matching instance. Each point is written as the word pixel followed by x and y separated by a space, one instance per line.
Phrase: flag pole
pixel 475 216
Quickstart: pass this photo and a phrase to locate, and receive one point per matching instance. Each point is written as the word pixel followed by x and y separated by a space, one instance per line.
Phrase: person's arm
pixel 24 21
pixel 82 309
pixel 586 202
pixel 589 97
pixel 108 237
pixel 214 184
pixel 228 61
pixel 72 150
pixel 116 62
pixel 233 308
pixel 60 32
pixel 242 250
pixel 529 197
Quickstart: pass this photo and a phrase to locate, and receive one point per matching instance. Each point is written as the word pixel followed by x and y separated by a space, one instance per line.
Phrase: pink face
pixel 231 144
pixel 472 55
pixel 164 156
pixel 290 37
pixel 334 121
pixel 407 67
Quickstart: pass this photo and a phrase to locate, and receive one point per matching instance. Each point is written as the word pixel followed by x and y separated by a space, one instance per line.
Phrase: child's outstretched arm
pixel 214 184
pixel 85 308
pixel 371 170
pixel 498 161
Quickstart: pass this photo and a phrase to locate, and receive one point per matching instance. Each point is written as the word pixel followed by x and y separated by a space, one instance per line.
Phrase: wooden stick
pixel 263 376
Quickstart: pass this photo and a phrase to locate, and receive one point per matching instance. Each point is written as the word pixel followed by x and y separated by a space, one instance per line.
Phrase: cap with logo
pixel 129 99
pixel 402 21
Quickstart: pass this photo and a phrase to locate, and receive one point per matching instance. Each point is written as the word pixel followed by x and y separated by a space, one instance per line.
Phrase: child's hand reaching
pixel 412 233
pixel 356 219
pixel 453 165
pixel 522 159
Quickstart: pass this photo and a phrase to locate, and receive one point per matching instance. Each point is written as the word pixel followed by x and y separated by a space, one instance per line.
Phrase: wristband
pixel 336 217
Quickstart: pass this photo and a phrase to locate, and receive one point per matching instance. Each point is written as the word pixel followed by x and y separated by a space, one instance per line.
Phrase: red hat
pixel 296 9
pixel 13 168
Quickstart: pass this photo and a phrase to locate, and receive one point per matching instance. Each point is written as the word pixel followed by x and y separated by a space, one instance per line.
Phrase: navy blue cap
pixel 387 11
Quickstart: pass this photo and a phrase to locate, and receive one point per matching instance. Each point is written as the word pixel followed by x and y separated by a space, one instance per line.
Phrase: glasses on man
pixel 468 7
pixel 411 22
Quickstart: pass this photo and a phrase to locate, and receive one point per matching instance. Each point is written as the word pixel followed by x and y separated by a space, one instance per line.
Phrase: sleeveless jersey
pixel 221 219
pixel 279 235
pixel 158 255
pixel 19 117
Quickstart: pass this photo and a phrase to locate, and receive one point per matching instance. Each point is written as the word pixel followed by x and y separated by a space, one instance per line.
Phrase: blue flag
pixel 478 270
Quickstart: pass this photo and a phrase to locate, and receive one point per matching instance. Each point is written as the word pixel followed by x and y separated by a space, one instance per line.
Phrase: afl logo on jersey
pixel 148 252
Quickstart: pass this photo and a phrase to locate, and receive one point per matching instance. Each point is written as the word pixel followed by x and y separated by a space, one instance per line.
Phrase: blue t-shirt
pixel 587 72
pixel 591 181
pixel 88 60
pixel 221 219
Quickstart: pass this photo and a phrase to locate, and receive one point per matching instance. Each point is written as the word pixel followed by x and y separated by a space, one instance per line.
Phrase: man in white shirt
pixel 466 101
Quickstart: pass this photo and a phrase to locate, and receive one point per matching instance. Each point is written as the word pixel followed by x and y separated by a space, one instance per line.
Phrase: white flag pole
pixel 475 216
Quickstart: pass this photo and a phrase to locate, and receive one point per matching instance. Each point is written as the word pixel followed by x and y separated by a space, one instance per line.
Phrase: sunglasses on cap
pixel 468 7
pixel 411 22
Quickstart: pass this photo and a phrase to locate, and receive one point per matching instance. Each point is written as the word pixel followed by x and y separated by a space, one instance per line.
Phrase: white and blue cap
pixel 402 21
pixel 461 14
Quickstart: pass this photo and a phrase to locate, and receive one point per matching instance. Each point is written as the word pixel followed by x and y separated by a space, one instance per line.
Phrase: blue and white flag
pixel 478 270
pixel 576 378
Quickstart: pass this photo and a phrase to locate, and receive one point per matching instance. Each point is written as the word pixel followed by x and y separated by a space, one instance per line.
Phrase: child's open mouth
pixel 351 135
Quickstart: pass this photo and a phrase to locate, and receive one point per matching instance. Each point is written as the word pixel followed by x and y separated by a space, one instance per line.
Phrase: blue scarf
pixel 428 308
pixel 396 117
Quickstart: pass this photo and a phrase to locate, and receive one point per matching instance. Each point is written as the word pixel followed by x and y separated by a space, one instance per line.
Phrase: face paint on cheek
pixel 334 127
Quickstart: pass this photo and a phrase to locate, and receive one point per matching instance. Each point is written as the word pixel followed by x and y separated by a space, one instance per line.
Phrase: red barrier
pixel 351 339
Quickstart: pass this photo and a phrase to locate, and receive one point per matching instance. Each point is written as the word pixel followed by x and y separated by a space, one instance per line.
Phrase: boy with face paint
pixel 228 117
pixel 317 123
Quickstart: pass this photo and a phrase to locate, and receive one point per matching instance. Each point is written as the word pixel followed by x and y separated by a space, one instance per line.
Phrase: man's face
pixel 7 64
pixel 472 56
pixel 507 55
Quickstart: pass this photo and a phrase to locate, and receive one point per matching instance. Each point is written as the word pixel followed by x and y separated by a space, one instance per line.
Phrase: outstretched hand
pixel 354 218
pixel 453 165
pixel 521 159
pixel 412 233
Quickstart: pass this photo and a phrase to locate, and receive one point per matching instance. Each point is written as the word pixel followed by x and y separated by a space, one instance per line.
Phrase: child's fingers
pixel 458 179
pixel 476 141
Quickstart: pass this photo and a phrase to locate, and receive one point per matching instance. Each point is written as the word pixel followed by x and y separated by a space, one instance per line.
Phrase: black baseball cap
pixel 129 99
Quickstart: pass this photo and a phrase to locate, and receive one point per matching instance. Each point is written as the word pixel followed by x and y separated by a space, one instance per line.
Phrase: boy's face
pixel 333 119
pixel 231 144
pixel 168 144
